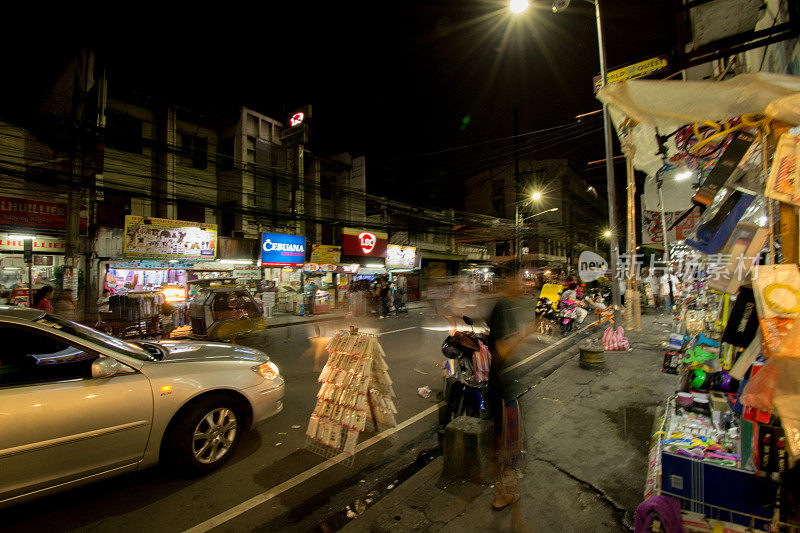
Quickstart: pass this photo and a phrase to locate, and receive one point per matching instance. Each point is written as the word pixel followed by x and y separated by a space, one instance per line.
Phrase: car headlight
pixel 268 370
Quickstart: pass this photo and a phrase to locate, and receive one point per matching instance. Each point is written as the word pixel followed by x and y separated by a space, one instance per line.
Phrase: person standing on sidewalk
pixel 505 333
pixel 311 297
pixel 383 295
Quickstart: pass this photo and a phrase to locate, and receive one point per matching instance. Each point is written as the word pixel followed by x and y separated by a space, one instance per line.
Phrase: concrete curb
pixel 428 475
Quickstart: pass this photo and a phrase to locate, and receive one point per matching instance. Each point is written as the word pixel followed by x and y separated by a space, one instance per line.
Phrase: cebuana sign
pixel 591 266
pixel 278 249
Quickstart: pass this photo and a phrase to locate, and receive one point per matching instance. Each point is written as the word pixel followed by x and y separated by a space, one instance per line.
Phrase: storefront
pixel 283 257
pixel 726 445
pixel 163 261
pixel 15 273
pixel 402 263
pixel 42 224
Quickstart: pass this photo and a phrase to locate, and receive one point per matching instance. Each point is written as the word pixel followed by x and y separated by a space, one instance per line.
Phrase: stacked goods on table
pixel 355 386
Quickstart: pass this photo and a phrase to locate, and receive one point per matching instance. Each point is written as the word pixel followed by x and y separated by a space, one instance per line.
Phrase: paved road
pixel 274 454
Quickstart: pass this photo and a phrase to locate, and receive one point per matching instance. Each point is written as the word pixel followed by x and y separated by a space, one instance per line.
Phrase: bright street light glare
pixel 518 6
pixel 536 195
pixel 607 233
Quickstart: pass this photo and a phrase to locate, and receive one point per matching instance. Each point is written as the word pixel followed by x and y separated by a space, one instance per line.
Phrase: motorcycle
pixel 604 293
pixel 567 315
pixel 547 316
pixel 465 384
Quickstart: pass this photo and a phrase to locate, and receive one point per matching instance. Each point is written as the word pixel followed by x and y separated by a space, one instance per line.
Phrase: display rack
pixel 355 387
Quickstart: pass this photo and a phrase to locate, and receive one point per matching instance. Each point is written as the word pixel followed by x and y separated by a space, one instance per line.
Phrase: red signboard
pixel 20 212
pixel 366 243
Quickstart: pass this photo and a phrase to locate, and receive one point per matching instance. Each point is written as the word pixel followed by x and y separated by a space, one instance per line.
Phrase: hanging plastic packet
pixel 777 294
pixel 351 441
pixel 319 408
pixel 335 438
pixel 784 176
pixel 313 424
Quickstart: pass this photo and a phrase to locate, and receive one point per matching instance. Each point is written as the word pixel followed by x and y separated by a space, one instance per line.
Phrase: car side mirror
pixel 105 367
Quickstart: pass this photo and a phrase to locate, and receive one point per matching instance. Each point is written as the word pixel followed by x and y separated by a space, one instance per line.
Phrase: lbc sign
pixel 278 249
pixel 591 266
pixel 364 242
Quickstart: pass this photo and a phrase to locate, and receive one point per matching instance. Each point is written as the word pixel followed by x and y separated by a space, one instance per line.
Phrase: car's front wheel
pixel 205 435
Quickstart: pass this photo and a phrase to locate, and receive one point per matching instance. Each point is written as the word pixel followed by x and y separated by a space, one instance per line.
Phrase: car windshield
pixel 92 335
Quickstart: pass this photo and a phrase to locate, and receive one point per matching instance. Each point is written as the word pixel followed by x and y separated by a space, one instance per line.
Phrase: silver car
pixel 77 405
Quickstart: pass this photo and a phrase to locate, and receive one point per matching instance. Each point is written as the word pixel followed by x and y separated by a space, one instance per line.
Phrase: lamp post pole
pixel 610 180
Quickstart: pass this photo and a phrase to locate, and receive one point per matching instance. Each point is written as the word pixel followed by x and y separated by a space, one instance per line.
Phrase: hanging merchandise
pixel 777 295
pixel 784 183
pixel 355 387
pixel 743 320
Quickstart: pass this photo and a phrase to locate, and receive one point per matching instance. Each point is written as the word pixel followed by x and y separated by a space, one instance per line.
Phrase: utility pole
pixel 92 285
pixel 610 181
pixel 82 80
pixel 516 196
pixel 633 298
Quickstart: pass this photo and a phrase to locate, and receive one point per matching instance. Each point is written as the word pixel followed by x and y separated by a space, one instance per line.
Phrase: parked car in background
pixel 77 405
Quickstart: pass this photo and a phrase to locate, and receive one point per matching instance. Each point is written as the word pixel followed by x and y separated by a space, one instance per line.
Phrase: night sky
pixel 390 81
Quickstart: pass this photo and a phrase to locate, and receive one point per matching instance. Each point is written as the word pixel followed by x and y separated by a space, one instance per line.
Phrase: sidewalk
pixel 587 438
pixel 288 319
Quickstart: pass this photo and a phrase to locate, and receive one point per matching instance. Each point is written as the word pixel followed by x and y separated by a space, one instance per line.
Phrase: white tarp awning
pixel 667 105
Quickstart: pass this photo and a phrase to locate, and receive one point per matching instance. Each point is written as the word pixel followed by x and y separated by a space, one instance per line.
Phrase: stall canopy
pixel 665 105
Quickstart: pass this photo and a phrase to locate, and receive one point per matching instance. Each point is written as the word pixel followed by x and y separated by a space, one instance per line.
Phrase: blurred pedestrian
pixel 42 297
pixel 65 306
pixel 505 333
pixel 167 321
pixel 383 295
pixel 311 297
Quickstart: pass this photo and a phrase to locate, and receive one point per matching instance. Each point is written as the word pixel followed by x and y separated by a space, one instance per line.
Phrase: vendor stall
pixel 722 155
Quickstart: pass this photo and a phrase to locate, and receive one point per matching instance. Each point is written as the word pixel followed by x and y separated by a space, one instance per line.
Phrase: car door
pixel 57 423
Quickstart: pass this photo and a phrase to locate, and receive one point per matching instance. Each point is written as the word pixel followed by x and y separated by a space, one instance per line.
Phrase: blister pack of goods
pixel 355 385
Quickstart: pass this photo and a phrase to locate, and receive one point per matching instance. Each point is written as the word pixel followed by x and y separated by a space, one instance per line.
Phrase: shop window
pixel 123 132
pixel 194 151
pixel 30 356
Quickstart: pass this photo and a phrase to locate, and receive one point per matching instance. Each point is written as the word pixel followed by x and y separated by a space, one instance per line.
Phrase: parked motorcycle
pixel 465 385
pixel 546 315
pixel 567 315
pixel 604 293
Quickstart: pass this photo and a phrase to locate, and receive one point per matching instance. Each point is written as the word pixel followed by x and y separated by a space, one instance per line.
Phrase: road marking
pixel 397 330
pixel 277 490
pixel 540 352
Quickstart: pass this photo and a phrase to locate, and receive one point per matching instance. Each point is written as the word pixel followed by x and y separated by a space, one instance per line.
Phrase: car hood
pixel 210 351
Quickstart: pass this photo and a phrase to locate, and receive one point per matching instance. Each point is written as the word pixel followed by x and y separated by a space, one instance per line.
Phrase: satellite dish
pixel 560 5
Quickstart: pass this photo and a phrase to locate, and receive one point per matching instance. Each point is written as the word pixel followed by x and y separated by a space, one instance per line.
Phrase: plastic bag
pixel 759 392
pixel 615 340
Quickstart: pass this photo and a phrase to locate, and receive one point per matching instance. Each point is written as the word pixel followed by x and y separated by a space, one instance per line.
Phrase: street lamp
pixel 518 6
pixel 560 5
pixel 607 233
pixel 536 196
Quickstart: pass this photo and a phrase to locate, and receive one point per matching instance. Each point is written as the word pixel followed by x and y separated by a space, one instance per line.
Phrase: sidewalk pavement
pixel 288 319
pixel 587 435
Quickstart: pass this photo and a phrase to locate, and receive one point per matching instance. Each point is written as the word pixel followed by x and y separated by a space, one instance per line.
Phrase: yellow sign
pixel 160 238
pixel 637 70
pixel 323 253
